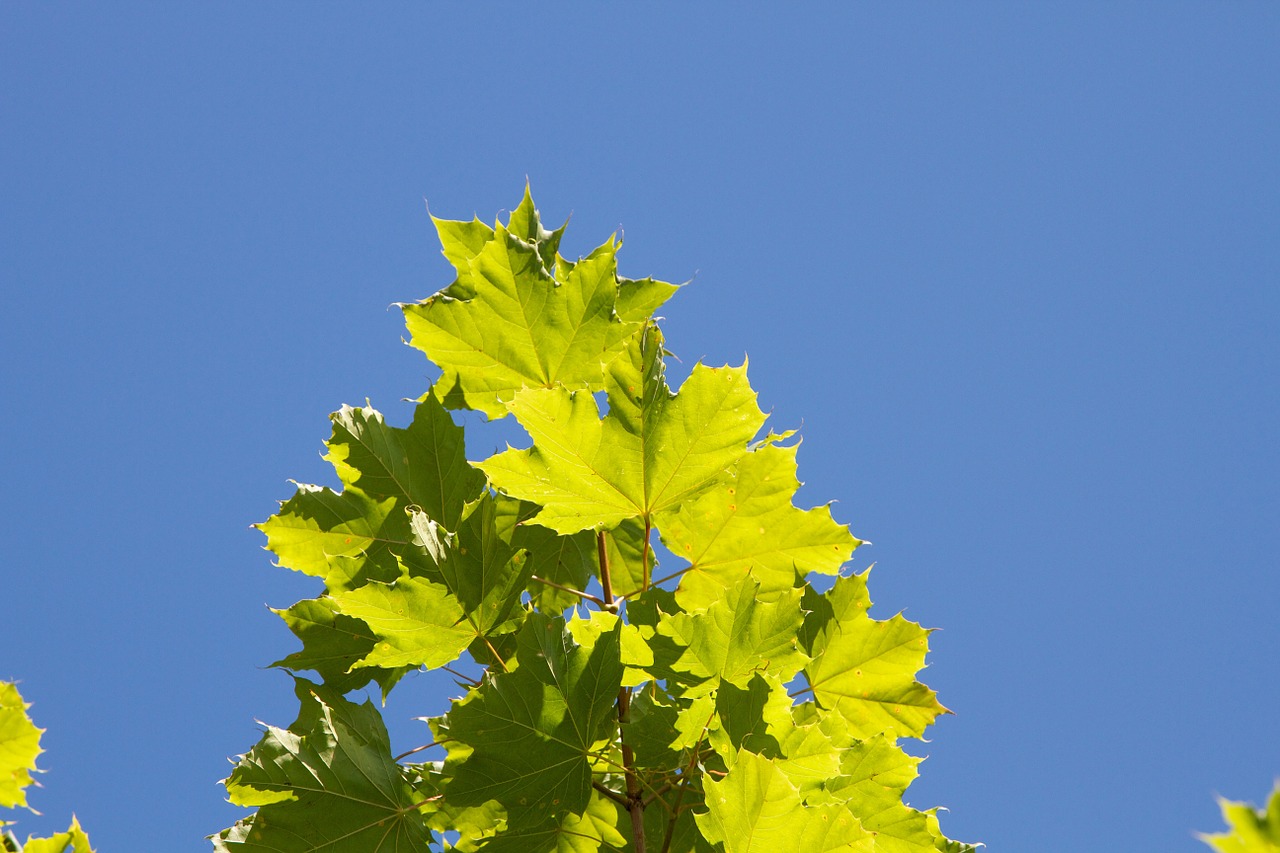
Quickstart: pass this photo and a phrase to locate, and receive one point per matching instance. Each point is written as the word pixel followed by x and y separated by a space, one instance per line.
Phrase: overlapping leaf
pixel 595 828
pixel 678 696
pixel 588 472
pixel 362 533
pixel 759 718
pixel 469 583
pixel 634 652
pixel 332 644
pixel 737 637
pixel 864 669
pixel 747 523
pixel 874 775
pixel 756 809
pixel 327 783
pixel 529 732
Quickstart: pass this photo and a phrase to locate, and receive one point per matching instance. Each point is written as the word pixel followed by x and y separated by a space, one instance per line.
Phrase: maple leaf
pixel 332 644
pixel 327 783
pixel 587 472
pixel 737 637
pixel 749 523
pixel 514 318
pixel 756 809
pixel 864 669
pixel 19 747
pixel 361 533
pixel 530 731
pixel 74 840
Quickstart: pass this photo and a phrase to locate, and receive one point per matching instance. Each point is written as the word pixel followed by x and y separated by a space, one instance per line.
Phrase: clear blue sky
pixel 1014 268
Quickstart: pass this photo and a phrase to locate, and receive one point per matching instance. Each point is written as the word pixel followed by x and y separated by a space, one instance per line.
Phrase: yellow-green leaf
pixel 586 472
pixel 756 809
pixel 1252 830
pixel 748 523
pixel 864 669
pixel 19 747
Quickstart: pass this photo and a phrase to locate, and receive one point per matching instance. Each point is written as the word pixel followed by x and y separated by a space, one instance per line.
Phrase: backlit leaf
pixel 73 840
pixel 748 522
pixel 19 747
pixel 514 318
pixel 1251 830
pixel 756 809
pixel 864 669
pixel 737 637
pixel 591 473
pixel 332 643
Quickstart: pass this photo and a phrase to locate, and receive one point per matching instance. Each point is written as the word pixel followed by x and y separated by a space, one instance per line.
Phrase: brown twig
pixel 588 596
pixel 610 793
pixel 635 798
pixel 417 749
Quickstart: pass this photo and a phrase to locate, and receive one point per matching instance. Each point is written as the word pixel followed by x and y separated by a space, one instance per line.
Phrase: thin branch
pixel 635 799
pixel 610 793
pixel 421 803
pixel 604 759
pixel 661 580
pixel 658 793
pixel 606 582
pixel 808 689
pixel 474 682
pixel 588 596
pixel 684 784
pixel 417 749
pixel 497 657
pixel 644 553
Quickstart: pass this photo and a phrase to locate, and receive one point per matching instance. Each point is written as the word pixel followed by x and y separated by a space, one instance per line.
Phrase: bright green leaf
pixel 19 747
pixel 874 775
pixel 635 652
pixel 748 523
pixel 756 809
pixel 417 622
pixel 737 637
pixel 73 840
pixel 864 669
pixel 591 473
pixel 519 326
pixel 1251 830
pixel 347 538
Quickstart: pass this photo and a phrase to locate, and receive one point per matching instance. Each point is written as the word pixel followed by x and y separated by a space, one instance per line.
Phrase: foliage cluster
pixel 722 704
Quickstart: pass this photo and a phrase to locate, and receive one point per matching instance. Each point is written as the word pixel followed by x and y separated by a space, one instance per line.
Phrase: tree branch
pixel 635 797
pixel 419 749
pixel 610 793
pixel 588 596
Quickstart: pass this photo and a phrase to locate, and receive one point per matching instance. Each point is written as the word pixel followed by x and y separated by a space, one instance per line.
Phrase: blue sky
pixel 1013 268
